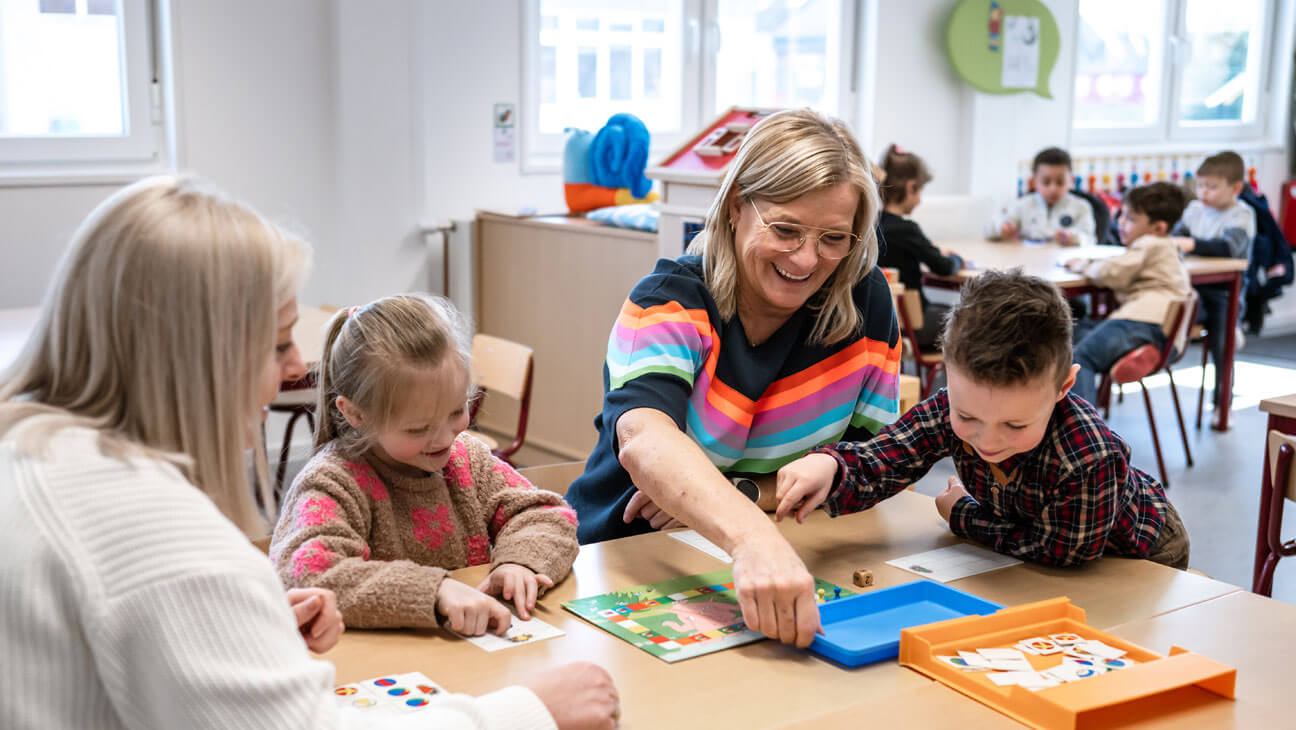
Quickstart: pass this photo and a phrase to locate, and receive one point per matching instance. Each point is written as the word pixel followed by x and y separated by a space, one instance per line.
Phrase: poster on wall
pixel 1003 46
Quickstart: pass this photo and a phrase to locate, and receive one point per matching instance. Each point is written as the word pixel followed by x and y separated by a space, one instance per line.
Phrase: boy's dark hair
pixel 1051 156
pixel 901 167
pixel 1008 329
pixel 1159 201
pixel 1226 164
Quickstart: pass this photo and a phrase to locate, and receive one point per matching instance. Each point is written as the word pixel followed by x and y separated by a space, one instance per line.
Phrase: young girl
pixel 904 245
pixel 123 489
pixel 396 495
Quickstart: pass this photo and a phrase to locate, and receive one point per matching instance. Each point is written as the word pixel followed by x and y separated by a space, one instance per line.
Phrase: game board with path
pixel 679 618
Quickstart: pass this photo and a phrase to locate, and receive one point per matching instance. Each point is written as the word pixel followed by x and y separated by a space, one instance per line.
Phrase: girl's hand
pixel 471 612
pixel 516 583
pixel 804 484
pixel 641 505
pixel 946 500
pixel 318 617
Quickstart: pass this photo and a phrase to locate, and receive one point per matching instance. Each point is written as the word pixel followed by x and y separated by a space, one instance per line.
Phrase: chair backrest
pixel 909 304
pixel 501 366
pixel 505 367
pixel 1179 319
pixel 1283 481
pixel 1102 217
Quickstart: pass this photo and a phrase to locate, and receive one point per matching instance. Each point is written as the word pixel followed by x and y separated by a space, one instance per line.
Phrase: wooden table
pixel 1282 418
pixel 764 684
pixel 1045 261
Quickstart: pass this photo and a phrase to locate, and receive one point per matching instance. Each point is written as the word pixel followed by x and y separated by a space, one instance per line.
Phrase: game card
pixel 373 702
pixel 519 634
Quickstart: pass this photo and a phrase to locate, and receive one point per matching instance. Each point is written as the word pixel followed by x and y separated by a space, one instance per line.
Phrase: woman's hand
pixel 579 696
pixel 318 617
pixel 945 501
pixel 516 583
pixel 775 591
pixel 804 484
pixel 471 612
pixel 641 505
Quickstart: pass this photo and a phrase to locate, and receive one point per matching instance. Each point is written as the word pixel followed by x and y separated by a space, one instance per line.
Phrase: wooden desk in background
pixel 764 684
pixel 1282 418
pixel 1045 261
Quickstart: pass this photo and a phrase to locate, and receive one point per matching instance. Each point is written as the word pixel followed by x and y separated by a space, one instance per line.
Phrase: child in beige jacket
pixel 1147 279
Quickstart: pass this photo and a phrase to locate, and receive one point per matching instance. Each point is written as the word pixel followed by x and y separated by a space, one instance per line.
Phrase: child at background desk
pixel 396 495
pixel 1046 480
pixel 1217 224
pixel 904 247
pixel 1147 279
pixel 1052 212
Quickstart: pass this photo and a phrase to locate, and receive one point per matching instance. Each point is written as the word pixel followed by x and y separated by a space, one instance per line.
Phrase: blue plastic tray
pixel 866 628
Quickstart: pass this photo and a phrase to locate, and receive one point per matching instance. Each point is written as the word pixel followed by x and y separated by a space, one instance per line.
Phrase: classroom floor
pixel 1218 498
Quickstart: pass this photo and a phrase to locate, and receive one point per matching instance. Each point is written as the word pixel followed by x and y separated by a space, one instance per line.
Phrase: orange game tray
pixel 1153 685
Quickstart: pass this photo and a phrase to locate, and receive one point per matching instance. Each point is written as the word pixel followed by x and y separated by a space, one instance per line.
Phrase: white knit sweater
pixel 128 600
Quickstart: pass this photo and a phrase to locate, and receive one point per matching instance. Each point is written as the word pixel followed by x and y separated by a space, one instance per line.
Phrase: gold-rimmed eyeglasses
pixel 830 244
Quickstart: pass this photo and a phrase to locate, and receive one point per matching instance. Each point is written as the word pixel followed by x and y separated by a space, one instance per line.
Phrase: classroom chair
pixel 296 398
pixel 1282 471
pixel 1149 360
pixel 909 311
pixel 504 367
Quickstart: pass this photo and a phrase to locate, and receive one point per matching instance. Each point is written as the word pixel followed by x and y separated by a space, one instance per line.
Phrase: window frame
pixel 542 153
pixel 1168 130
pixel 82 158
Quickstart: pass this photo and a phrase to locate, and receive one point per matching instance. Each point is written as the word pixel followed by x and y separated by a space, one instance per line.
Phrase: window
pixel 76 84
pixel 675 64
pixel 1172 70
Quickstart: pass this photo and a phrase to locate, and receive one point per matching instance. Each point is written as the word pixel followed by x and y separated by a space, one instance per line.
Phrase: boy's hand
pixel 1076 265
pixel 1065 238
pixel 946 500
pixel 318 617
pixel 1007 231
pixel 516 583
pixel 1185 243
pixel 471 612
pixel 804 483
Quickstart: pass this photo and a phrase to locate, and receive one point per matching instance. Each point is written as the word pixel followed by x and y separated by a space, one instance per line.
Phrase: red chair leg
pixel 1156 441
pixel 282 469
pixel 1264 584
pixel 1183 431
pixel 1201 392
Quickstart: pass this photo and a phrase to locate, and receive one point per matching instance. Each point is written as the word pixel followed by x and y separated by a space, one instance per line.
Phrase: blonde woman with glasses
pixel 130 595
pixel 775 335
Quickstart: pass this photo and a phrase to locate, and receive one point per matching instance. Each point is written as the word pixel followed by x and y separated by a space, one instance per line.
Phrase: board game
pixel 680 618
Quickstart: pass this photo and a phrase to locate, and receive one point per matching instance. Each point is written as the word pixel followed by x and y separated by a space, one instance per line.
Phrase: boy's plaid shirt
pixel 1069 500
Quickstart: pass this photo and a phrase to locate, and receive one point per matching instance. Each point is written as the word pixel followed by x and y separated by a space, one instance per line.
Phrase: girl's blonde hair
pixel 157 332
pixel 786 156
pixel 371 354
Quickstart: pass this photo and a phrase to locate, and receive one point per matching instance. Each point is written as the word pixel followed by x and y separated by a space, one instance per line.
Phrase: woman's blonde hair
pixel 371 354
pixel 157 331
pixel 784 157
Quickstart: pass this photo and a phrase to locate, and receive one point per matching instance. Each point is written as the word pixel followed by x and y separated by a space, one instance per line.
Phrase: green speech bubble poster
pixel 1003 46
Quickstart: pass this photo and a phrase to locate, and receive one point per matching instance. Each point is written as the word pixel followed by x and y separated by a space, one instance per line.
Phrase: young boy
pixel 1217 224
pixel 1046 481
pixel 1147 279
pixel 1052 212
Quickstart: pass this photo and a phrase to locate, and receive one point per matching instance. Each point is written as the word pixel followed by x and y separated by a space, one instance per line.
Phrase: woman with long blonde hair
pixel 130 595
pixel 777 334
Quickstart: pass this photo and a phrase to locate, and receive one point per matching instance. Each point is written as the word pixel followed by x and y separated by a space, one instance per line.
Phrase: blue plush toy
pixel 607 168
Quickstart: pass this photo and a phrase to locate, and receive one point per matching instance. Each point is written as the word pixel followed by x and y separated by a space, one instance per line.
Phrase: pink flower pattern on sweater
pixel 312 557
pixel 479 551
pixel 432 526
pixel 316 510
pixel 368 481
pixel 457 470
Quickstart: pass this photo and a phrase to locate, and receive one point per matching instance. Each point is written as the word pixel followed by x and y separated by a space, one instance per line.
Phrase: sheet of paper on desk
pixel 520 633
pixel 954 562
pixel 373 702
pixel 692 539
